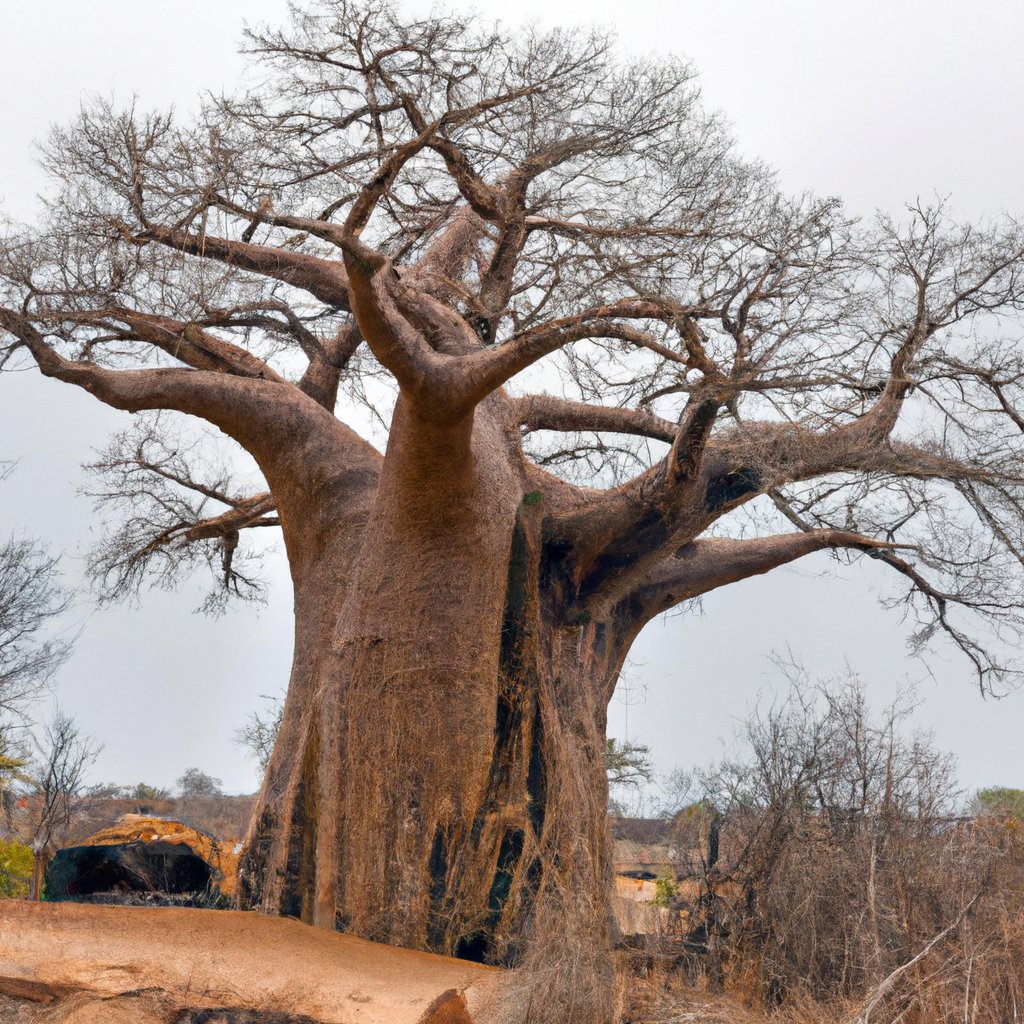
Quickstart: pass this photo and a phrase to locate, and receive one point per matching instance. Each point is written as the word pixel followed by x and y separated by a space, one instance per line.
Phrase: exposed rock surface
pixel 144 854
pixel 103 965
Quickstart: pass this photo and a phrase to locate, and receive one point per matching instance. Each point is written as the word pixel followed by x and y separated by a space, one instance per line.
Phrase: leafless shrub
pixel 55 790
pixel 828 868
pixel 31 597
pixel 259 734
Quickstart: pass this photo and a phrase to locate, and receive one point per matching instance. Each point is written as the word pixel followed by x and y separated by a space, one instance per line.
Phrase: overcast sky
pixel 878 102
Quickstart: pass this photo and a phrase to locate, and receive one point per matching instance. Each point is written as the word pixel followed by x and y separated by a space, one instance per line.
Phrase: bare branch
pixel 545 412
pixel 709 563
pixel 324 279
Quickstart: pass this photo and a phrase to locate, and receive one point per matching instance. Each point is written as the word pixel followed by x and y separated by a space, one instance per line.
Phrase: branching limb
pixel 546 412
pixel 248 409
pixel 489 369
pixel 323 375
pixel 328 357
pixel 709 563
pixel 774 455
pixel 163 492
pixel 264 214
pixel 940 601
pixel 248 513
pixel 324 279
pixel 186 342
pixel 482 198
pixel 616 538
pixel 237 405
pixel 421 372
pixel 448 257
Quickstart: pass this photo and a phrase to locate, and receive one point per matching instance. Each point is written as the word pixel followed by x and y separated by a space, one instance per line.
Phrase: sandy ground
pixel 87 964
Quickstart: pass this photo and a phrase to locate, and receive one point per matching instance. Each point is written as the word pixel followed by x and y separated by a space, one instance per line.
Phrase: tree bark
pixel 439 780
pixel 40 860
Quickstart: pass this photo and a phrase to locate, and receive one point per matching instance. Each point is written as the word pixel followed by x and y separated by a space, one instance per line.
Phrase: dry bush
pixel 832 880
pixel 222 816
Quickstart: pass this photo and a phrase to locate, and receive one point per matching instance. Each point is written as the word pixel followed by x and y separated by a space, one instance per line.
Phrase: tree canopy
pixel 854 384
pixel 195 782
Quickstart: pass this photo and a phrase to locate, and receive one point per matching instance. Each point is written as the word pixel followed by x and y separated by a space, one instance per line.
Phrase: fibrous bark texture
pixel 444 779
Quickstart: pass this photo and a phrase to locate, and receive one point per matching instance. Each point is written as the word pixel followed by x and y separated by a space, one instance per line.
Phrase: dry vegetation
pixel 222 816
pixel 949 944
pixel 827 876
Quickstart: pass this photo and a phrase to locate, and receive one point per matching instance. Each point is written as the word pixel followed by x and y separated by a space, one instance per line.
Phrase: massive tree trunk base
pixel 192 960
pixel 439 781
pixel 480 835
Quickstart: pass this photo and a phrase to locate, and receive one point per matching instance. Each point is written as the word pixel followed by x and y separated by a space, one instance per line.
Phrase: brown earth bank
pixel 78 964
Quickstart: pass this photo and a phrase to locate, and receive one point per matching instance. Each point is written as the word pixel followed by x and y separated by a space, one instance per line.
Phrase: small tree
pixel 16 864
pixel 665 888
pixel 144 791
pixel 259 734
pixel 30 599
pixel 629 770
pixel 57 788
pixel 193 782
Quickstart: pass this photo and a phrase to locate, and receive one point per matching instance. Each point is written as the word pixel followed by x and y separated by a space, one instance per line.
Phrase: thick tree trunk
pixel 439 782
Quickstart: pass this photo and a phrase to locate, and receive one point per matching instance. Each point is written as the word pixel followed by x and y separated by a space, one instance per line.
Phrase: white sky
pixel 878 102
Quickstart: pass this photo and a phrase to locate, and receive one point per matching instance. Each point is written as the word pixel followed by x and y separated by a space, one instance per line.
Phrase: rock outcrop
pixel 144 854
pixel 193 966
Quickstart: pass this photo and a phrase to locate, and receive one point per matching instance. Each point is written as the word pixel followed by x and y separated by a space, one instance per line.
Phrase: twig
pixel 889 983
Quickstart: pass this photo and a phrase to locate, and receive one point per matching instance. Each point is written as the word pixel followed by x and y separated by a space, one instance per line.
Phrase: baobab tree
pixel 617 368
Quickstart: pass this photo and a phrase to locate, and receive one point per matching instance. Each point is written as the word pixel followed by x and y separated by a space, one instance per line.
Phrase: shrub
pixel 665 887
pixel 15 869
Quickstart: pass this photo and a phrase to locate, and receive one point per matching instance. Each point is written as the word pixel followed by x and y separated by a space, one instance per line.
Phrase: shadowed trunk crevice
pixel 252 871
pixel 298 895
pixel 513 802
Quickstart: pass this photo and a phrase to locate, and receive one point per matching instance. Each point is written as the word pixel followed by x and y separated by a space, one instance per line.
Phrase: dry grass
pixel 224 817
pixel 946 943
